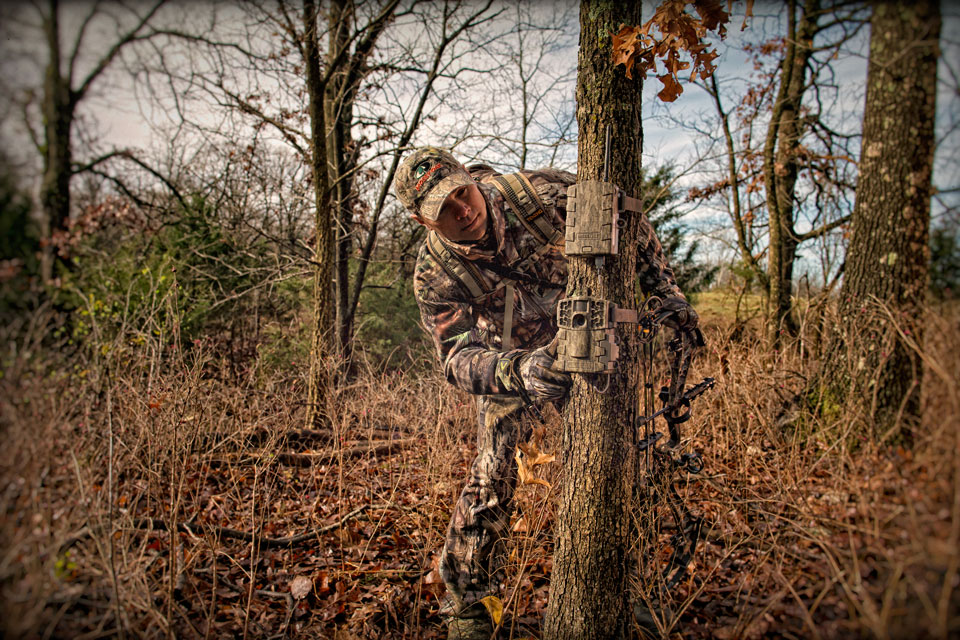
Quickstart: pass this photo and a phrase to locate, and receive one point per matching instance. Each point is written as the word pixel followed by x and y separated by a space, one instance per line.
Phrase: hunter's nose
pixel 463 211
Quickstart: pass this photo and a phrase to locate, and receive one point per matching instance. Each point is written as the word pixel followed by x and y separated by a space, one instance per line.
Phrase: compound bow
pixel 663 461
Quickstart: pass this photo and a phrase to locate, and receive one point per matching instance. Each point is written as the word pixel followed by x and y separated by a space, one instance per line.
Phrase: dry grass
pixel 816 531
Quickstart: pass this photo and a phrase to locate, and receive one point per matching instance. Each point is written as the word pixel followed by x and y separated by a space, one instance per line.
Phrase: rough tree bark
pixel 589 594
pixel 321 334
pixel 888 257
pixel 781 163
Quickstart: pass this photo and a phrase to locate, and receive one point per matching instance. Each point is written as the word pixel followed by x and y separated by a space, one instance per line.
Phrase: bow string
pixel 663 462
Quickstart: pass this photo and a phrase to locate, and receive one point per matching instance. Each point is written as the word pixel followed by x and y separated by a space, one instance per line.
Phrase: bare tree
pixel 784 162
pixel 327 144
pixel 390 142
pixel 75 61
pixel 530 103
pixel 273 78
pixel 884 289
pixel 589 591
pixel 784 155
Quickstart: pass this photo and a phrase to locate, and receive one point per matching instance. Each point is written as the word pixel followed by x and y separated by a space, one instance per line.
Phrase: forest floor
pixel 811 530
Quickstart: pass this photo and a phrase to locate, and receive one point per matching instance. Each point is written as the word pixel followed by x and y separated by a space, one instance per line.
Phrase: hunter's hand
pixel 539 378
pixel 682 316
pixel 531 373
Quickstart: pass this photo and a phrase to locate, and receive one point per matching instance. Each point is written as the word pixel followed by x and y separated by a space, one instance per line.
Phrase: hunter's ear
pixel 422 221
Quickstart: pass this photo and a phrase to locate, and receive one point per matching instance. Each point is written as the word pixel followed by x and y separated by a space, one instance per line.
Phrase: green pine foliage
pixel 19 245
pixel 660 201
pixel 945 261
pixel 187 280
pixel 388 322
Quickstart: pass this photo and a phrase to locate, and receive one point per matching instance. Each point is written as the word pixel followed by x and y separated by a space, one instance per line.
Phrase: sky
pixel 118 118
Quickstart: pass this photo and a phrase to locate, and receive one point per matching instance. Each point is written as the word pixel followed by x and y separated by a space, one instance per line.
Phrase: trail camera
pixel 593 219
pixel 593 214
pixel 587 334
pixel 587 340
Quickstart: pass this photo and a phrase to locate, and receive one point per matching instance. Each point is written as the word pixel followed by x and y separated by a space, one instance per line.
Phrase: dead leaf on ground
pixel 300 587
pixel 494 608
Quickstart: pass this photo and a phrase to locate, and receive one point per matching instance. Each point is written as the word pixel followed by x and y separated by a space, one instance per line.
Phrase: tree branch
pixel 405 137
pixel 130 36
pixel 827 228
pixel 80 33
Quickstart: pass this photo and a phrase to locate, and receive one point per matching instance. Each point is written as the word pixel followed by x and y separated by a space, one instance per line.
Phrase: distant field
pixel 720 306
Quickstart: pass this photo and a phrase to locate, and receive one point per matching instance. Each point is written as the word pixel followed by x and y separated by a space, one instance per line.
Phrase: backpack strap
pixel 464 272
pixel 523 199
pixel 506 341
pixel 460 270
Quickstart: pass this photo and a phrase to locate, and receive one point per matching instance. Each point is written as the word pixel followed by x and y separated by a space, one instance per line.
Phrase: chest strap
pixel 462 271
pixel 519 193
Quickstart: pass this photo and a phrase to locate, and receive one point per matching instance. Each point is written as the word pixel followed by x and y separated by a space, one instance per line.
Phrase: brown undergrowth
pixel 812 530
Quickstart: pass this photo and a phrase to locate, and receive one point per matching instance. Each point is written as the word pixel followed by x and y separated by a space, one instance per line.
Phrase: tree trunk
pixel 781 164
pixel 58 118
pixel 340 92
pixel 589 590
pixel 346 70
pixel 323 303
pixel 60 100
pixel 888 257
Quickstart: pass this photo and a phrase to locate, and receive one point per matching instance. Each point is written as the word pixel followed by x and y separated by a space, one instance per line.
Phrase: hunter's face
pixel 463 215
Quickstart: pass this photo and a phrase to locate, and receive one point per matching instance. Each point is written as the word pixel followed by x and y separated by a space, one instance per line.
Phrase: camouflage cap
pixel 426 177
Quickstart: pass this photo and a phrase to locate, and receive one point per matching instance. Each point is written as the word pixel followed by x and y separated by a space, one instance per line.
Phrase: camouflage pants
pixel 472 555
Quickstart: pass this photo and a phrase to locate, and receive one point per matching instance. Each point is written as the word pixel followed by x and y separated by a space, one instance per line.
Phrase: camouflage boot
pixel 470 623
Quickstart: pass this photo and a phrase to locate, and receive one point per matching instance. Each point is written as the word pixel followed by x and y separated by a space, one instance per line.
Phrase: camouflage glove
pixel 531 373
pixel 682 316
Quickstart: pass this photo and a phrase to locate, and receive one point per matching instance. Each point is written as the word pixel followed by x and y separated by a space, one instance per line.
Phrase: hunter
pixel 488 280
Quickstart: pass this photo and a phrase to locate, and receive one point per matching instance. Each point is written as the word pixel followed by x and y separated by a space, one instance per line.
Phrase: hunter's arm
pixel 654 272
pixel 449 320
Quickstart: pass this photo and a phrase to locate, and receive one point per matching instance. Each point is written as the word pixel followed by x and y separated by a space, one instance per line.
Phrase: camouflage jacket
pixel 468 334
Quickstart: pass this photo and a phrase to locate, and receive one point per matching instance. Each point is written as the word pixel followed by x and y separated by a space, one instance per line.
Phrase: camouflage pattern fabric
pixel 468 337
pixel 471 556
pixel 425 179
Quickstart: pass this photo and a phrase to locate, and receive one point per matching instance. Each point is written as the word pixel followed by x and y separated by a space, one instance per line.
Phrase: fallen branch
pixel 236 534
pixel 261 435
pixel 375 448
pixel 157 524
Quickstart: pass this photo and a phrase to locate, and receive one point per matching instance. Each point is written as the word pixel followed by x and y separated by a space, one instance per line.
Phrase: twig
pixel 263 592
pixel 254 548
pixel 376 447
pixel 112 563
pixel 803 609
pixel 236 534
